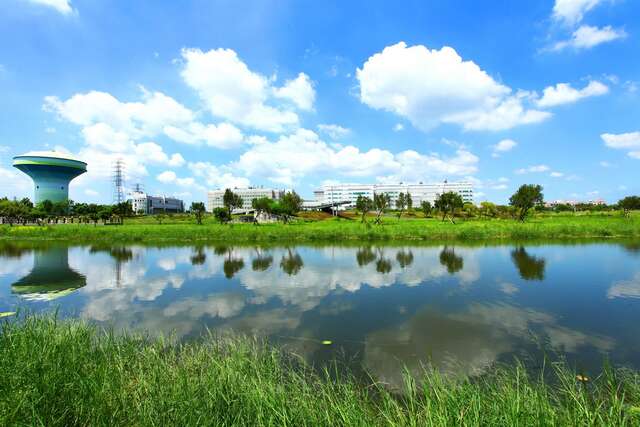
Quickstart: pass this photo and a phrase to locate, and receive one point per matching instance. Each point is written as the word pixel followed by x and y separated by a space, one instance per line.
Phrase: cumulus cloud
pixel 563 93
pixel 62 6
pixel 624 141
pixel 217 177
pixel 588 36
pixel 303 152
pixel 223 136
pixel 533 169
pixel 503 146
pixel 300 91
pixel 334 131
pixel 232 91
pixel 431 87
pixel 571 12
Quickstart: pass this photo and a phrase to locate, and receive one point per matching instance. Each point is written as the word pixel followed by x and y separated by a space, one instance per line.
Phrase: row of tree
pixel 285 208
pixel 24 211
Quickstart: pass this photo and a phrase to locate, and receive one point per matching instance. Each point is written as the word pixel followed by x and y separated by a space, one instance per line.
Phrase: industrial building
pixel 51 173
pixel 420 192
pixel 215 197
pixel 142 203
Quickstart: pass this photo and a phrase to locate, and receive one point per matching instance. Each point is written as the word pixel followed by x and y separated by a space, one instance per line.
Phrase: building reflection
pixel 530 267
pixel 50 278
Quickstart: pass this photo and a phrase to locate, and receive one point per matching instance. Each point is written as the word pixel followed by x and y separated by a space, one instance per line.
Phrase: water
pixel 460 309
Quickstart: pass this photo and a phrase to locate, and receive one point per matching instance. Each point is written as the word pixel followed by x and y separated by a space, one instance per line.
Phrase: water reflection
pixel 529 266
pixel 50 278
pixel 459 309
pixel 291 263
pixel 449 259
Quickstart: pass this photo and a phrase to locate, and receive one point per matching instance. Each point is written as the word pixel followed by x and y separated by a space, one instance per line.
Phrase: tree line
pixel 24 211
pixel 284 208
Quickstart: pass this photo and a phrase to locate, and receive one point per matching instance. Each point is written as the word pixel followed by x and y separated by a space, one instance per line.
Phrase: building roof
pixel 51 155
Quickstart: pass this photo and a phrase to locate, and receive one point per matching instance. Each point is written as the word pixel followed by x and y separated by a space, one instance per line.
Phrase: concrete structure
pixel 215 197
pixel 420 192
pixel 51 173
pixel 148 205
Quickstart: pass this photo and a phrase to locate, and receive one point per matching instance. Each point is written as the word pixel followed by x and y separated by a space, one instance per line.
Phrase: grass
pixel 69 373
pixel 182 229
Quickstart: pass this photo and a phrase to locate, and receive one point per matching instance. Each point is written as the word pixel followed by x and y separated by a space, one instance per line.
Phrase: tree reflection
pixel 449 259
pixel 291 263
pixel 530 267
pixel 121 254
pixel 261 262
pixel 199 257
pixel 383 265
pixel 220 250
pixel 405 259
pixel 365 256
pixel 633 248
pixel 231 266
pixel 11 250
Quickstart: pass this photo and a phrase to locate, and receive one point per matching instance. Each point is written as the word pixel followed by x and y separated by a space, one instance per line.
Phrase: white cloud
pixel 217 177
pixel 571 12
pixel 334 131
pixel 605 164
pixel 431 87
pixel 503 146
pixel 62 6
pixel 533 169
pixel 223 136
pixel 398 127
pixel 556 174
pixel 232 91
pixel 300 91
pixel 167 177
pixel 293 156
pixel 588 36
pixel 563 93
pixel 624 141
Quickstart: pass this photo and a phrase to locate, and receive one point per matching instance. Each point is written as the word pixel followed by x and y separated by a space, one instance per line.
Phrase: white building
pixel 215 197
pixel 146 204
pixel 419 192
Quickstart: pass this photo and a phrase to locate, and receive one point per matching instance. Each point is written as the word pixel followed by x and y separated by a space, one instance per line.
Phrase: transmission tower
pixel 118 181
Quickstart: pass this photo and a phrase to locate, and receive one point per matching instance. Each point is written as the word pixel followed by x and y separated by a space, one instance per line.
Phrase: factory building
pixel 51 173
pixel 419 192
pixel 142 203
pixel 215 197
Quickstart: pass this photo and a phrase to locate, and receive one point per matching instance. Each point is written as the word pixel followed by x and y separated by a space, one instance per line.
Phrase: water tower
pixel 51 173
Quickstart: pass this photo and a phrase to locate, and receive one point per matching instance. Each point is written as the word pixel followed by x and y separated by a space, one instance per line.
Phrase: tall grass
pixel 68 373
pixel 554 227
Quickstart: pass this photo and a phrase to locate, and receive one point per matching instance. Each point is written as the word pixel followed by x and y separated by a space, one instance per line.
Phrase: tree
pixel 488 209
pixel 381 203
pixel 290 204
pixel 426 208
pixel 262 204
pixel 447 203
pixel 409 201
pixel 364 204
pixel 401 204
pixel 159 218
pixel 221 215
pixel 628 204
pixel 232 201
pixel 527 197
pixel 198 210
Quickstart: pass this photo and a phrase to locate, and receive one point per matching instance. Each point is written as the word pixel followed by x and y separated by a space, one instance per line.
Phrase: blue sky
pixel 292 94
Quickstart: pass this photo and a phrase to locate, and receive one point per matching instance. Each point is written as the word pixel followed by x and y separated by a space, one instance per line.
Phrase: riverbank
pixel 68 373
pixel 335 230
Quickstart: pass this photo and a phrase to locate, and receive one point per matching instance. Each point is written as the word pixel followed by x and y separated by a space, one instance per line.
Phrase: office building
pixel 215 198
pixel 143 203
pixel 419 192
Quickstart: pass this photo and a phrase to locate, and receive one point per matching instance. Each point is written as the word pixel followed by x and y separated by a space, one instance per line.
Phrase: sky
pixel 199 95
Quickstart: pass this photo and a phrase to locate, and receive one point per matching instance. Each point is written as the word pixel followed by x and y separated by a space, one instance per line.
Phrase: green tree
pixel 447 203
pixel 232 201
pixel 363 205
pixel 262 205
pixel 198 210
pixel 221 215
pixel 526 198
pixel 401 204
pixel 426 208
pixel 290 204
pixel 488 209
pixel 381 202
pixel 628 204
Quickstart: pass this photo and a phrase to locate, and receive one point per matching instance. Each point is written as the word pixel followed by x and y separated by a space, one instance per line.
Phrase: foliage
pixel 488 210
pixel 198 210
pixel 401 203
pixel 363 205
pixel 221 215
pixel 232 201
pixel 426 208
pixel 629 203
pixel 527 197
pixel 447 203
pixel 263 205
pixel 290 204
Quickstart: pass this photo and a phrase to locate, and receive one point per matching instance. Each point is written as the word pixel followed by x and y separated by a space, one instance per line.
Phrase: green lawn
pixel 65 373
pixel 183 229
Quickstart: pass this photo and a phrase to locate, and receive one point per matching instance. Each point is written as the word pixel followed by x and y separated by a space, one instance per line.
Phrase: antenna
pixel 118 181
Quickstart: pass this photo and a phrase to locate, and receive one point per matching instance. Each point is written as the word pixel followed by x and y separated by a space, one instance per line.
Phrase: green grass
pixel 184 230
pixel 68 373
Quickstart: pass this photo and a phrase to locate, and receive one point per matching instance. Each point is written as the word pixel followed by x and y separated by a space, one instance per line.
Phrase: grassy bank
pixel 550 227
pixel 67 373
